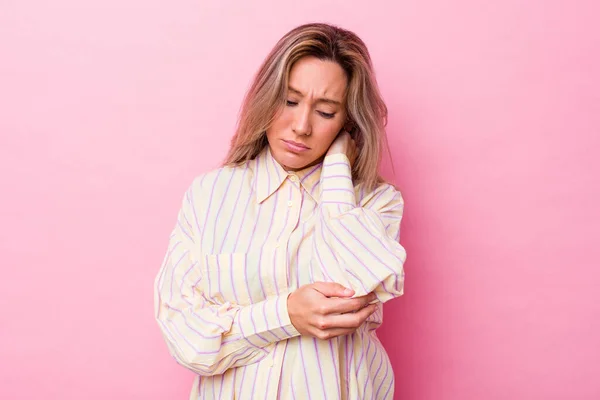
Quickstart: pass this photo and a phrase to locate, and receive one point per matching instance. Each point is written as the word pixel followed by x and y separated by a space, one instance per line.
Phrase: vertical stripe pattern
pixel 244 239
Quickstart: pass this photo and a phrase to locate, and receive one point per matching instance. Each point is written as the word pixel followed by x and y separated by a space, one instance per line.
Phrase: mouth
pixel 295 146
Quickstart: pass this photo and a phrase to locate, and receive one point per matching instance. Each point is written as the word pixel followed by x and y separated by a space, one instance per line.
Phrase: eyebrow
pixel 320 100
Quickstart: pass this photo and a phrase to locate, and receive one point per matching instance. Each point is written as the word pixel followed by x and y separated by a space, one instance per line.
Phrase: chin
pixel 293 161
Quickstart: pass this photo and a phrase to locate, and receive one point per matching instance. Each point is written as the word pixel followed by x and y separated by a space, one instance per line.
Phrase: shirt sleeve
pixel 205 337
pixel 357 245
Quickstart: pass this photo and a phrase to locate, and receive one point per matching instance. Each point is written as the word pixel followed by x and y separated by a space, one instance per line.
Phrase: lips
pixel 295 146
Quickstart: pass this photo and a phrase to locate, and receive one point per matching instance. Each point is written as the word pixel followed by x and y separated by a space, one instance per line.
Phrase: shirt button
pixel 294 178
pixel 290 203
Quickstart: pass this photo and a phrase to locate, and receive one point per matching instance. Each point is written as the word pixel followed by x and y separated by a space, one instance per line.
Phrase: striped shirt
pixel 248 236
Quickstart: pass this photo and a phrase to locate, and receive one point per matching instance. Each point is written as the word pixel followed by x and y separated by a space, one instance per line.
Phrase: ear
pixel 350 127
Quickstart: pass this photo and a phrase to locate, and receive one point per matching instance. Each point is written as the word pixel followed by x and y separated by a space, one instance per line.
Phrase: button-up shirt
pixel 248 236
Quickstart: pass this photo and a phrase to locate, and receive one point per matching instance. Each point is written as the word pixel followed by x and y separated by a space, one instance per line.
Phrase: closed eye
pixel 326 115
pixel 291 103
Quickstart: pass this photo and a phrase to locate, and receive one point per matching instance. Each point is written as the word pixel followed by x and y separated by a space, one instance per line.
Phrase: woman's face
pixel 313 115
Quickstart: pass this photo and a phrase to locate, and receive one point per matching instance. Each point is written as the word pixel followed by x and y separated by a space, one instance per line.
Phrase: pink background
pixel 108 109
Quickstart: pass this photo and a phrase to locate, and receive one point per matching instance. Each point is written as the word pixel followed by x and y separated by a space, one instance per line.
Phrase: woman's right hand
pixel 325 310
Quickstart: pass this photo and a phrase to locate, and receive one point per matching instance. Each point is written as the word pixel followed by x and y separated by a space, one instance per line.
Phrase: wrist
pixel 291 309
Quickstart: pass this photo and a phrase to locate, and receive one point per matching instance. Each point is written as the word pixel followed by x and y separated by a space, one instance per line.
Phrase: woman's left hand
pixel 344 144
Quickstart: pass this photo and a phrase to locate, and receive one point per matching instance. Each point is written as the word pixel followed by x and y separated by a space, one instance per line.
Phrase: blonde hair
pixel 366 110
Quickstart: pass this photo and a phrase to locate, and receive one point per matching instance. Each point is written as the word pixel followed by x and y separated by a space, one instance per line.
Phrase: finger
pixel 332 333
pixel 340 306
pixel 353 320
pixel 350 320
pixel 332 289
pixel 347 137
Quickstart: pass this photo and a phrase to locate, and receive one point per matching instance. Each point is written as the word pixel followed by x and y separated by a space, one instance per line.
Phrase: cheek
pixel 327 132
pixel 282 120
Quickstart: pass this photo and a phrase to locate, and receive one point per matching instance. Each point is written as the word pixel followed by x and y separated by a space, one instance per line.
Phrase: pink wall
pixel 109 108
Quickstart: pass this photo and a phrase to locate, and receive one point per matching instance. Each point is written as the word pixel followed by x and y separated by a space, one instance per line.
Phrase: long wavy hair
pixel 365 108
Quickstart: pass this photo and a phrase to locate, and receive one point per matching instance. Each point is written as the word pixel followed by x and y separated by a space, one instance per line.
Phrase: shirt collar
pixel 270 175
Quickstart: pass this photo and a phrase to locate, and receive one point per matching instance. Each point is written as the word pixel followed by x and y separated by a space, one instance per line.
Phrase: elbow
pixel 194 359
pixel 200 367
pixel 199 364
pixel 218 363
pixel 386 293
pixel 390 286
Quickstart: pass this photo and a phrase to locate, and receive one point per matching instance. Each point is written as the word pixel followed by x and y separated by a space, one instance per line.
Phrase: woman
pixel 273 282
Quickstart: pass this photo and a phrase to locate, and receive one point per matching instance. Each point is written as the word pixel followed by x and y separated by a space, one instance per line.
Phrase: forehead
pixel 313 76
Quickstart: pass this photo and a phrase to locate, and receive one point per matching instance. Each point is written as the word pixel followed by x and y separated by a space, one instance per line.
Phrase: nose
pixel 301 125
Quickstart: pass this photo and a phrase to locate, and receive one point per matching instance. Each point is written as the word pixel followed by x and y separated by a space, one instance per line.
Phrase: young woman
pixel 276 271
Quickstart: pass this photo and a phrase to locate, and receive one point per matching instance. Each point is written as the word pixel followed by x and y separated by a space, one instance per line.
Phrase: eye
pixel 326 115
pixel 291 103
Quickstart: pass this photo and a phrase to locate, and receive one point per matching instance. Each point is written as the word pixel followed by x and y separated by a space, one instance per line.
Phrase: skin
pixel 314 115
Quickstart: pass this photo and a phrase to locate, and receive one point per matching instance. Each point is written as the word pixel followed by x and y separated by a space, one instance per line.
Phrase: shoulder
pixel 219 179
pixel 384 193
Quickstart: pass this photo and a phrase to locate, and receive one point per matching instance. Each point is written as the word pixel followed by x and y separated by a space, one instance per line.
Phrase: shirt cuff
pixel 266 322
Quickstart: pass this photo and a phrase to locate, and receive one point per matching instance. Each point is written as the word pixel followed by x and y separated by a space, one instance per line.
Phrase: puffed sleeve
pixel 205 337
pixel 357 245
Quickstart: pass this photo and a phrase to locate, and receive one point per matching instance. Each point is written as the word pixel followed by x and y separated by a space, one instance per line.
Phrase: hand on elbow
pixel 325 310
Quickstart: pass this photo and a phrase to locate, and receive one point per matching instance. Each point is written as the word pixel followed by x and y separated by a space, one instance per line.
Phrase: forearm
pixel 353 245
pixel 209 339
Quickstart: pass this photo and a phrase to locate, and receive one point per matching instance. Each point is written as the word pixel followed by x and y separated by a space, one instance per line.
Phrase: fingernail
pixel 347 292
